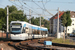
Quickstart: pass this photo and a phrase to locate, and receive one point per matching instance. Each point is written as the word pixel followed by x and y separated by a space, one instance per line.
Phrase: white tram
pixel 20 30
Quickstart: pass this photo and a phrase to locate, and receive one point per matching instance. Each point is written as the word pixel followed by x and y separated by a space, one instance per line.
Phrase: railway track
pixel 22 45
pixel 34 45
pixel 27 45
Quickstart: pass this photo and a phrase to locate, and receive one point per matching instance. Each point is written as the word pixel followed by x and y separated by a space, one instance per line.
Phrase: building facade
pixel 53 25
pixel 71 29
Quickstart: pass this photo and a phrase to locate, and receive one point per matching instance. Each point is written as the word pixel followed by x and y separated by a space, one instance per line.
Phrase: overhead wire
pixel 24 6
pixel 19 6
pixel 14 3
pixel 27 8
pixel 33 10
pixel 63 2
pixel 43 6
pixel 2 5
pixel 30 7
pixel 43 9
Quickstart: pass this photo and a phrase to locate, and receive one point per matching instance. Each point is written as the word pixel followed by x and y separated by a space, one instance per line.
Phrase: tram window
pixel 27 30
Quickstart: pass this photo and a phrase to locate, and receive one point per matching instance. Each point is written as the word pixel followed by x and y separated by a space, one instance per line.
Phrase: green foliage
pixel 66 20
pixel 67 41
pixel 2 18
pixel 63 18
pixel 14 15
pixel 25 18
pixel 12 8
pixel 44 22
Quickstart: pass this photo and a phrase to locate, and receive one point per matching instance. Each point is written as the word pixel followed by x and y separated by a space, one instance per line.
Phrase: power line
pixel 25 7
pixel 19 6
pixel 43 6
pixel 63 2
pixel 30 7
pixel 43 9
pixel 2 5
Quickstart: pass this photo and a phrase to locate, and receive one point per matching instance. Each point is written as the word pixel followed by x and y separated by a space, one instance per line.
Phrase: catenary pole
pixel 30 19
pixel 50 26
pixel 7 21
pixel 40 24
pixel 58 24
pixel 29 15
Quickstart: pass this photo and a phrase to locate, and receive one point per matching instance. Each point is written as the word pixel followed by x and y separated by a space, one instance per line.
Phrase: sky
pixel 40 6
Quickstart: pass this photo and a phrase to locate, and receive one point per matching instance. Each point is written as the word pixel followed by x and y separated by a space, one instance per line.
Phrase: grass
pixel 67 41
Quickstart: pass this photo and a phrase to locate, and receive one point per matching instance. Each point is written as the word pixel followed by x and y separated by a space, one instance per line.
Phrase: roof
pixel 72 14
pixel 61 13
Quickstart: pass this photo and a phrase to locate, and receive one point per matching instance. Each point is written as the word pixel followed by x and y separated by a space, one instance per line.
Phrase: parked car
pixel 71 35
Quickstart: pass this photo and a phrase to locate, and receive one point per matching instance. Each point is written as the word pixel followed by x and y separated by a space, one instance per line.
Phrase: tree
pixel 12 8
pixel 36 21
pixel 25 18
pixel 32 20
pixel 66 21
pixel 16 14
pixel 2 19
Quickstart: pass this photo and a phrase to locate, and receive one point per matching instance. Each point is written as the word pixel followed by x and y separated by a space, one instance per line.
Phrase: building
pixel 71 29
pixel 53 23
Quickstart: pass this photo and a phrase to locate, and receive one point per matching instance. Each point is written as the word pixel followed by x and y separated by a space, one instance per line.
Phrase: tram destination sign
pixel 16 23
pixel 15 26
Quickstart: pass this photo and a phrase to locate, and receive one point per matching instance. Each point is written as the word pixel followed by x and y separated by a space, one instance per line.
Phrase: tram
pixel 21 30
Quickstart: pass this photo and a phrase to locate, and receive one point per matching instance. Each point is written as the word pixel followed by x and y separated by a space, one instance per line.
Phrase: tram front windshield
pixel 16 28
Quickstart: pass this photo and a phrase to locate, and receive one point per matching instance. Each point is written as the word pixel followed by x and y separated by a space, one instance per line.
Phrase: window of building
pixel 68 29
pixel 72 24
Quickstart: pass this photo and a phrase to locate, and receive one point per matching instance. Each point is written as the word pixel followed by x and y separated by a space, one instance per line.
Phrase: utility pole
pixel 40 23
pixel 58 24
pixel 29 15
pixel 7 21
pixel 30 20
pixel 50 26
pixel 22 10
